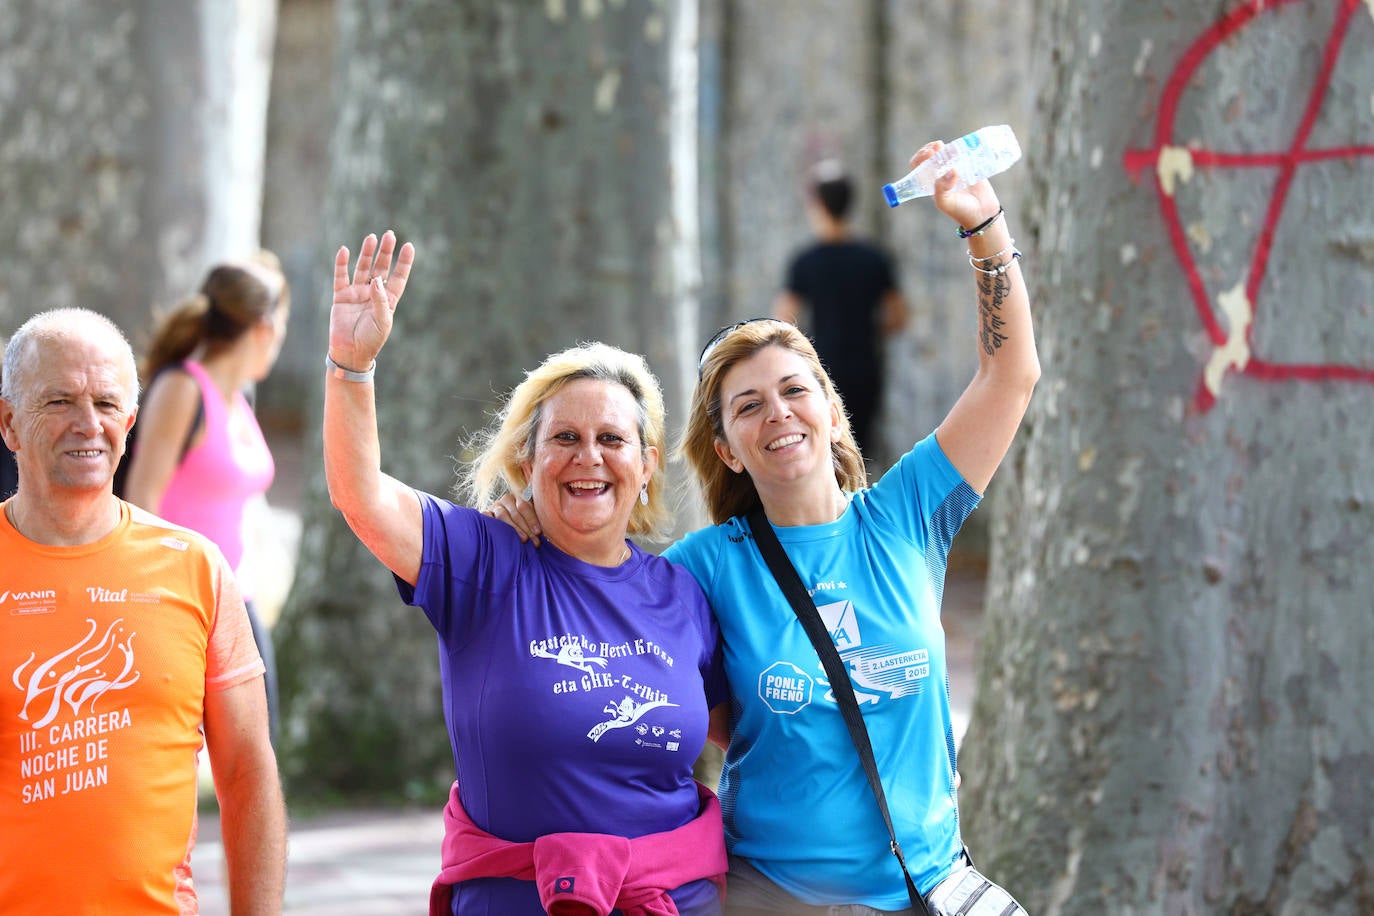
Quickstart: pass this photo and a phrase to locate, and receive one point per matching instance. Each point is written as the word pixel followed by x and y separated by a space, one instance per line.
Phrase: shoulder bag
pixel 966 891
pixel 805 608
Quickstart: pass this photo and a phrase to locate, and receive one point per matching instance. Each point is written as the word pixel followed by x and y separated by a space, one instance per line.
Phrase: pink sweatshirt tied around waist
pixel 576 872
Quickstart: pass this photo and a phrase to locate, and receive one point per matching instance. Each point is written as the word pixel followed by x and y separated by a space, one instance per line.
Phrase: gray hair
pixel 59 324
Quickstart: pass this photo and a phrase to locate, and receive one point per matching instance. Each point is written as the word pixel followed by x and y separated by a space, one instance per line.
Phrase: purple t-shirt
pixel 576 696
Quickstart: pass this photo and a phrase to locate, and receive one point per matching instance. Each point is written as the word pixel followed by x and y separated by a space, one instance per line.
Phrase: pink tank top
pixel 217 477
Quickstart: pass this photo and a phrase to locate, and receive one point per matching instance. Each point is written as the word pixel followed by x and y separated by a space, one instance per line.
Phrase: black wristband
pixel 981 227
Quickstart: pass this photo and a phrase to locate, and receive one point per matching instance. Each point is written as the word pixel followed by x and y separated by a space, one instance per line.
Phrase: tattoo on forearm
pixel 992 293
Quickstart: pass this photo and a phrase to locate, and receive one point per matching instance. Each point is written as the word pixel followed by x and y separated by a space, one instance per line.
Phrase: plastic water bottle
pixel 975 156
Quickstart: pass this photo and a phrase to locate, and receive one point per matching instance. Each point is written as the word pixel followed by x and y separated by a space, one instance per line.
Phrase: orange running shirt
pixel 107 651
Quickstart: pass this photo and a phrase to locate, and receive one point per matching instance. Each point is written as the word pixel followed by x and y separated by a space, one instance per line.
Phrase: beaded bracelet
pixel 981 227
pixel 997 271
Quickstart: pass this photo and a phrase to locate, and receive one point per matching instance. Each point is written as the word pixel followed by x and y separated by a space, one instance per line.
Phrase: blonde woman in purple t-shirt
pixel 577 676
pixel 198 456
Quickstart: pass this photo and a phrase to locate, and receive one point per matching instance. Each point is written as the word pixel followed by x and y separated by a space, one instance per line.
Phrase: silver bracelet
pixel 1011 246
pixel 997 271
pixel 348 375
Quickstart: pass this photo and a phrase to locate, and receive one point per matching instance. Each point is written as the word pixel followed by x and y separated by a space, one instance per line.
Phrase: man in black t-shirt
pixel 845 291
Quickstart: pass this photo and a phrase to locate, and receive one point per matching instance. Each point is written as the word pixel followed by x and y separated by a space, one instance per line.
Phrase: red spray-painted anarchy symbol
pixel 1232 352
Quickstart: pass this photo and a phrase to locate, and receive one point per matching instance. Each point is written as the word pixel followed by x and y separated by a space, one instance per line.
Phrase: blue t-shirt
pixel 796 801
pixel 576 696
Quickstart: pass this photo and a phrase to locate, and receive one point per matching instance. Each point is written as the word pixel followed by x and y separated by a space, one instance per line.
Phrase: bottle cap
pixel 891 194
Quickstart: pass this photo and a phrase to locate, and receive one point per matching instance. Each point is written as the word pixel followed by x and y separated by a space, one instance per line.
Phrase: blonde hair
pixel 726 493
pixel 233 298
pixel 508 442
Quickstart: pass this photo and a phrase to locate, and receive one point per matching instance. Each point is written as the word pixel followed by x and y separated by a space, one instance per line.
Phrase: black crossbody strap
pixel 792 587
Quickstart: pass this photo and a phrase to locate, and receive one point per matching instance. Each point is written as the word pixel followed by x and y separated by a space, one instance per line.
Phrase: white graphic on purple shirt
pixel 570 654
pixel 625 713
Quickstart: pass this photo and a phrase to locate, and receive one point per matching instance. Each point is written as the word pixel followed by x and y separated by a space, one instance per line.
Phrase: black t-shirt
pixel 843 285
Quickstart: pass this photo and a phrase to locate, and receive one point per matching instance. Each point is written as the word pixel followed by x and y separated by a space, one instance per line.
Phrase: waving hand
pixel 381 510
pixel 360 318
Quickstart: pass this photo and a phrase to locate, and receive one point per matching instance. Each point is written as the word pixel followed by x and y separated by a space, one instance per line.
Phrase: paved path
pixel 351 863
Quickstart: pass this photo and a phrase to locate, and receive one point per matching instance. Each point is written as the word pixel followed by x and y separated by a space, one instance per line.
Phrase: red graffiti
pixel 1285 163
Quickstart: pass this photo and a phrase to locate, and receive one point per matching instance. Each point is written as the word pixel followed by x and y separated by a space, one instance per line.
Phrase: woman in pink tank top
pixel 199 455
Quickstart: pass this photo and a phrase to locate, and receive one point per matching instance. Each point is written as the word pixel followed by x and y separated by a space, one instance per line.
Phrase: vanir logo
pixel 45 594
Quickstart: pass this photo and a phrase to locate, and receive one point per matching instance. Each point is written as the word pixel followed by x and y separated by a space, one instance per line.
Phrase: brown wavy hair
pixel 726 493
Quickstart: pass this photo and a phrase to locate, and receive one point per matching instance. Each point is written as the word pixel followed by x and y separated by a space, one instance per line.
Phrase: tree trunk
pixel 523 149
pixel 1172 714
pixel 130 150
pixel 295 182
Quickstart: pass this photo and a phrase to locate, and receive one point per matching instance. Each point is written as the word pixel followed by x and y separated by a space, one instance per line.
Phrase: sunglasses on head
pixel 720 335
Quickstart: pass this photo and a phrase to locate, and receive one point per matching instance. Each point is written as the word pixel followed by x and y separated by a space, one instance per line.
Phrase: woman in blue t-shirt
pixel 577 678
pixel 768 430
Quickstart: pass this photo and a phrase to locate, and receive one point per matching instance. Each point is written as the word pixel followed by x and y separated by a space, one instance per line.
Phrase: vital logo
pixel 76 677
pixel 100 595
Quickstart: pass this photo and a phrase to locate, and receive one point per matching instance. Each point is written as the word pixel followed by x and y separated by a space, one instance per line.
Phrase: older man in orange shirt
pixel 124 649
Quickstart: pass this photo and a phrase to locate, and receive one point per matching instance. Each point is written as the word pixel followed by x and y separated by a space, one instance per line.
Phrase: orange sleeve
pixel 232 656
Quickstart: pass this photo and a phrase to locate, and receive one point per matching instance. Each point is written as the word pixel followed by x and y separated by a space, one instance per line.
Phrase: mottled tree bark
pixel 131 142
pixel 523 149
pixel 295 182
pixel 1175 678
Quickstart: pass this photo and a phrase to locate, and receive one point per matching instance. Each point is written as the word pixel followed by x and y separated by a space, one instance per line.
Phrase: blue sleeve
pixel 694 553
pixel 942 499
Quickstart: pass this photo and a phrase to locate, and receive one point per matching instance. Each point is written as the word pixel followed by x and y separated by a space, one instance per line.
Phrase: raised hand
pixel 967 207
pixel 360 318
